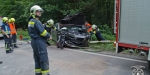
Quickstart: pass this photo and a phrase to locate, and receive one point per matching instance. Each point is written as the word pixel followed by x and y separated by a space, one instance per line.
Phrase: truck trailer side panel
pixel 134 27
pixel 132 20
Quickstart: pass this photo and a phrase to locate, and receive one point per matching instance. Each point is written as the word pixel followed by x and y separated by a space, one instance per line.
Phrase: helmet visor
pixel 40 10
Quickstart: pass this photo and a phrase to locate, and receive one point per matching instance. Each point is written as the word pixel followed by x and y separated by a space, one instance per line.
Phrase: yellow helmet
pixel 5 19
pixel 50 22
pixel 12 19
pixel 9 20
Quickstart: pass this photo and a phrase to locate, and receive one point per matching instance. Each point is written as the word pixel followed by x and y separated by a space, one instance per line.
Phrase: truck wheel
pixel 120 49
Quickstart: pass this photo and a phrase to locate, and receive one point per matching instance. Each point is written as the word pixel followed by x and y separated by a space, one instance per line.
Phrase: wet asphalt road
pixel 66 62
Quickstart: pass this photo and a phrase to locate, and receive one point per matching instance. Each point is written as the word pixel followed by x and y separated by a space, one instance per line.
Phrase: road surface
pixel 66 62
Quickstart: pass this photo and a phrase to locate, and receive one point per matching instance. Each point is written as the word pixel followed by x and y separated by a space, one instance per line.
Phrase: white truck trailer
pixel 132 26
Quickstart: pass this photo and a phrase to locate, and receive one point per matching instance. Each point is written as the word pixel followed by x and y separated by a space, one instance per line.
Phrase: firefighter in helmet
pixel 96 31
pixel 7 35
pixel 13 32
pixel 39 37
pixel 88 26
pixel 48 26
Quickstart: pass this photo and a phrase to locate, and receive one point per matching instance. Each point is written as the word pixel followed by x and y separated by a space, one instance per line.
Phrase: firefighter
pixel 38 36
pixel 48 26
pixel 97 33
pixel 88 26
pixel 7 35
pixel 13 32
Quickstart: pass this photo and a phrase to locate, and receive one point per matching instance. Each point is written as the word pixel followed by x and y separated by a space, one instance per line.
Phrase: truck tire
pixel 120 49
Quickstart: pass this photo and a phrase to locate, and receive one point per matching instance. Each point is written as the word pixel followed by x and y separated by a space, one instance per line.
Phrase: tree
pixel 99 12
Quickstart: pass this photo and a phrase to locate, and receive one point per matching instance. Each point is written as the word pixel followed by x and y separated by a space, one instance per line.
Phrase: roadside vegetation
pixel 99 12
pixel 108 35
pixel 24 34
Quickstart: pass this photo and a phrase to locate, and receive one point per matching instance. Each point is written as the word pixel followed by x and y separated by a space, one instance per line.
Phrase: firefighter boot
pixel 1 62
pixel 7 47
pixel 15 46
pixel 8 51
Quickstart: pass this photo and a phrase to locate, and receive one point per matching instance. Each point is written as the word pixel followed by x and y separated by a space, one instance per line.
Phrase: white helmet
pixel 35 8
pixel 50 22
pixel 94 26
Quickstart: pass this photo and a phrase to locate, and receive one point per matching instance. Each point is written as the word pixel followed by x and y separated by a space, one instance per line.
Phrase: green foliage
pixel 105 29
pixel 98 12
pixel 109 37
pixel 24 33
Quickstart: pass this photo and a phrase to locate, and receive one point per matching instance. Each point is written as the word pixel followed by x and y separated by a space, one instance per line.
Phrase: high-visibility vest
pixel 89 27
pixel 12 28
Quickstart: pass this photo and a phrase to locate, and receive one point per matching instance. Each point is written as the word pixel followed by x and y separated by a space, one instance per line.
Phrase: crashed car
pixel 71 32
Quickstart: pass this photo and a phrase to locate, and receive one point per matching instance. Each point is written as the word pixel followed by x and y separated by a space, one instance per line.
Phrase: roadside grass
pixel 99 47
pixel 23 33
pixel 102 47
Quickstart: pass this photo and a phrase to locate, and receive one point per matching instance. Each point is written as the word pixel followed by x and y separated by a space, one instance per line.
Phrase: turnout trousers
pixel 40 56
pixel 99 36
pixel 14 40
pixel 7 43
